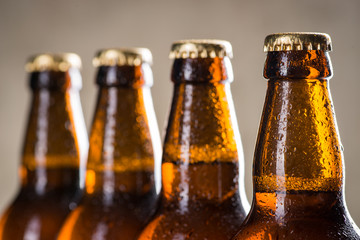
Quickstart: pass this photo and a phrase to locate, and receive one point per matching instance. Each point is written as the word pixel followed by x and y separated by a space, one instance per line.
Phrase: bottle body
pixel 124 147
pixel 202 197
pixel 55 147
pixel 298 165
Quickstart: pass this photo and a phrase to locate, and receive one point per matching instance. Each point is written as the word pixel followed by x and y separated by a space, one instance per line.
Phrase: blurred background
pixel 84 26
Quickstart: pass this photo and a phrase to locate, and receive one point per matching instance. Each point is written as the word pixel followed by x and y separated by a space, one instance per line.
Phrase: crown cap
pixel 201 48
pixel 122 56
pixel 297 41
pixel 53 61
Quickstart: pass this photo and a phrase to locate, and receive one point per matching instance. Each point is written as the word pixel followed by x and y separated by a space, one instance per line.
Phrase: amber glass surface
pixel 124 148
pixel 55 146
pixel 298 166
pixel 201 197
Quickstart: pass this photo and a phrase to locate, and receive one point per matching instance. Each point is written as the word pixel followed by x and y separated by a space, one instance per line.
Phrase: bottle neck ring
pixel 202 70
pixel 56 80
pixel 302 64
pixel 125 76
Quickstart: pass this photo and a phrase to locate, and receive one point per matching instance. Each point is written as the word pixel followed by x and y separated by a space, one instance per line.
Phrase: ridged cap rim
pixel 201 48
pixel 53 61
pixel 122 56
pixel 297 41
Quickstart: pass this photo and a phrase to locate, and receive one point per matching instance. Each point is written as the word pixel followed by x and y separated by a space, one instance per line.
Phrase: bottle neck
pixel 56 140
pixel 298 148
pixel 298 151
pixel 202 149
pixel 124 141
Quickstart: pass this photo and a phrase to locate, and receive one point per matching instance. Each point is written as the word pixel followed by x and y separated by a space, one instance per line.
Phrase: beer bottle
pixel 124 149
pixel 298 165
pixel 55 148
pixel 201 197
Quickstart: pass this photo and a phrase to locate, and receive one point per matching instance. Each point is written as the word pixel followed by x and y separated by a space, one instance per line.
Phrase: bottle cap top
pixel 201 48
pixel 53 61
pixel 122 56
pixel 297 41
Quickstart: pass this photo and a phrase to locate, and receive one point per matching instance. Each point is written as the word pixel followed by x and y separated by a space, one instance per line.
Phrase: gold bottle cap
pixel 201 48
pixel 297 41
pixel 122 56
pixel 53 62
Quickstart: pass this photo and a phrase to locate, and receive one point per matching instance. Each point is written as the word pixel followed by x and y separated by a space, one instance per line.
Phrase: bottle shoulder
pixel 299 229
pixel 30 218
pixel 318 218
pixel 94 219
pixel 208 221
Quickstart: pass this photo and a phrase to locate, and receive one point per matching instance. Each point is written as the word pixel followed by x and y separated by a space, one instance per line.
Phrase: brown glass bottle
pixel 124 149
pixel 56 145
pixel 298 166
pixel 201 197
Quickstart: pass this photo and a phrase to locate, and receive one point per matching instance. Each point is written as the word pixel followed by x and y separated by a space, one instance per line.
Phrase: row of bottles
pixel 120 188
